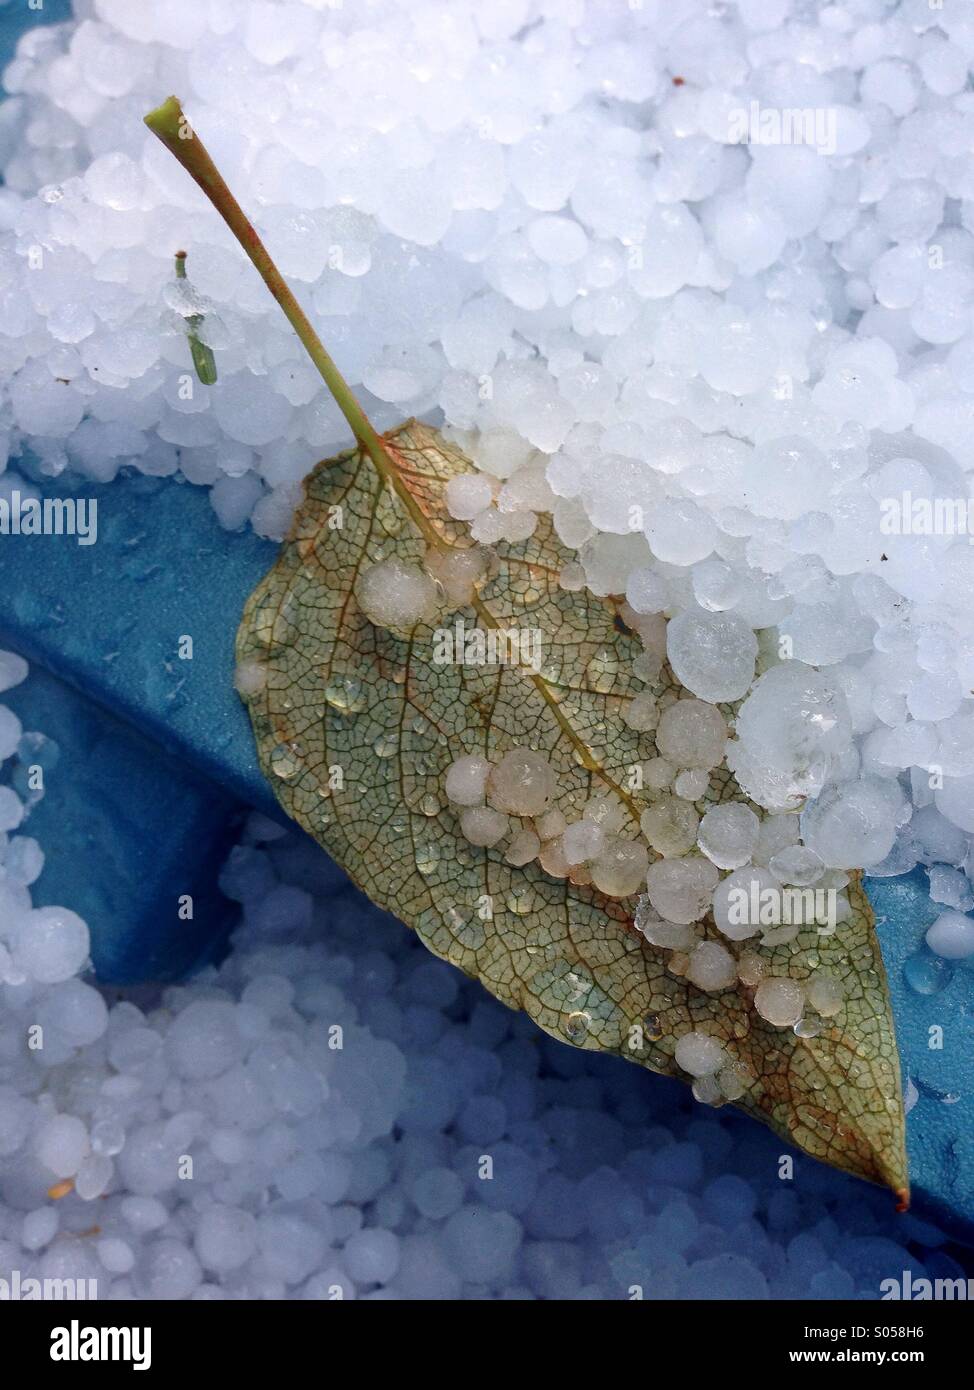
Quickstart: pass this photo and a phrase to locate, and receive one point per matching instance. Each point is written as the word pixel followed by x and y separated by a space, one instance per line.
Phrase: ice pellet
pixel 780 1001
pixel 951 936
pixel 396 594
pixel 61 1144
pixel 619 868
pixel 692 734
pixel 50 944
pixel 711 966
pixel 699 1054
pixel 466 780
pixel 712 654
pixel 522 783
pixel 728 835
pixel 681 889
pixel 670 825
pixel 482 825
pixel 467 495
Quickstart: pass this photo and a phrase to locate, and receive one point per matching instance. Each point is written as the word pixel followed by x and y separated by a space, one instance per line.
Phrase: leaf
pixel 328 690
pixel 356 727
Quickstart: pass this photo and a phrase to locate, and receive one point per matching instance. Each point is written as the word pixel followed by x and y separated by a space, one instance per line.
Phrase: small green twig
pixel 169 123
pixel 202 353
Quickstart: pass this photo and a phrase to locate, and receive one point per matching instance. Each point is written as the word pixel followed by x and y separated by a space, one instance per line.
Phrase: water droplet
pixel 808 1027
pixel 427 858
pixel 385 745
pixel 576 986
pixel 283 625
pixel 429 805
pixel 519 899
pixel 389 513
pixel 652 1027
pixel 285 761
pixel 926 973
pixel 576 1026
pixel 469 931
pixel 345 694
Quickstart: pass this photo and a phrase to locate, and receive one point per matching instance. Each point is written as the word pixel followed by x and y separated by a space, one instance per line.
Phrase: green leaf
pixel 356 727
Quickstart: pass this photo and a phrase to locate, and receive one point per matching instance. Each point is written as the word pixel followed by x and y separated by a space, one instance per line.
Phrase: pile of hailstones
pixel 511 800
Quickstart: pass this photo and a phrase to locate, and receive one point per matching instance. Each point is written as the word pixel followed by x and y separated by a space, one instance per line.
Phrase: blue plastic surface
pixel 19 15
pixel 940 1126
pixel 111 619
pixel 127 834
pixel 157 764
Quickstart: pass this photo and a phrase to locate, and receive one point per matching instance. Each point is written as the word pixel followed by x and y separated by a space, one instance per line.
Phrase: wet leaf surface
pixel 356 727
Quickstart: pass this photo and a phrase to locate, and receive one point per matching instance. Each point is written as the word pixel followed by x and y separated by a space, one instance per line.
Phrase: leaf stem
pixel 170 124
